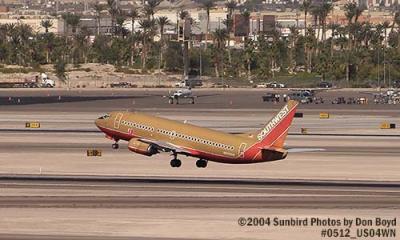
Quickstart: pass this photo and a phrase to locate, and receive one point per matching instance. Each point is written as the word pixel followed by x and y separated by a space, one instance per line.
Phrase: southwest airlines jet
pixel 149 135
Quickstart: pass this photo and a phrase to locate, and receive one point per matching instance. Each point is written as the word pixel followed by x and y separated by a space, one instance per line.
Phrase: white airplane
pixel 181 93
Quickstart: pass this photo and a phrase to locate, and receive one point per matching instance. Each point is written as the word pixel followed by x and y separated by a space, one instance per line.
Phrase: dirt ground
pixel 94 75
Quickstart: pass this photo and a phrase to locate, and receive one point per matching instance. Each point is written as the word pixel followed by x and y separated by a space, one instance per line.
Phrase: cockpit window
pixel 105 116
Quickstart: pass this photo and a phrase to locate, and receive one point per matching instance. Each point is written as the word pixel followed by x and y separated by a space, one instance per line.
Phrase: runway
pixel 126 207
pixel 29 191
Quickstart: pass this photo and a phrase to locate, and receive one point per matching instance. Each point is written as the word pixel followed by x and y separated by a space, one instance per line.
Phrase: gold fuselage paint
pixel 197 139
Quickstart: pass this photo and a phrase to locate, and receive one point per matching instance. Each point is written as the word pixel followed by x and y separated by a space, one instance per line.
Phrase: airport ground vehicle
pixel 270 97
pixel 149 135
pixel 301 96
pixel 41 81
pixel 339 100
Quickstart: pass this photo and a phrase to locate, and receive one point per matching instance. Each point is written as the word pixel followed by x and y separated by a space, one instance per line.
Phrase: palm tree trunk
pixel 305 41
pixel 144 53
pixel 97 26
pixel 207 28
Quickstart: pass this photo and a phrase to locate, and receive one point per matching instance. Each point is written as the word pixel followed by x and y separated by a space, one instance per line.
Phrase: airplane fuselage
pixel 199 142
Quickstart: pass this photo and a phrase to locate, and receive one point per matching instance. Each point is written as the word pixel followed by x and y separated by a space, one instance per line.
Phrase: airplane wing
pixel 166 147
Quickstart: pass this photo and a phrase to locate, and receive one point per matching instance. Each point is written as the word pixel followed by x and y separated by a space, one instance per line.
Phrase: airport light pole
pixel 201 61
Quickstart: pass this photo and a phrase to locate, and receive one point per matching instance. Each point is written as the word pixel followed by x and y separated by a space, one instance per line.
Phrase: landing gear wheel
pixel 201 163
pixel 171 101
pixel 115 146
pixel 175 163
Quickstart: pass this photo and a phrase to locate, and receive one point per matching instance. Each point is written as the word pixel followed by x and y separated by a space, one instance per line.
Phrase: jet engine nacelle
pixel 142 148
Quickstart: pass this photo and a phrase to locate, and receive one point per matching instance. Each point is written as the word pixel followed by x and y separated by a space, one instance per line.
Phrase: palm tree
pixel 185 16
pixel 47 23
pixel 249 47
pixel 114 11
pixel 73 20
pixel 148 30
pixel 350 13
pixel 334 32
pixel 315 11
pixel 246 15
pixel 306 7
pixel 231 6
pixel 162 22
pixel 220 36
pixel 293 36
pixel 150 6
pixel 64 17
pixel 120 29
pixel 208 5
pixel 324 11
pixel 98 8
pixel 133 14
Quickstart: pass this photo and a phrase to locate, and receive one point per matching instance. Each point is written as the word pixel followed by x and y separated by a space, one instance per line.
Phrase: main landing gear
pixel 175 162
pixel 201 163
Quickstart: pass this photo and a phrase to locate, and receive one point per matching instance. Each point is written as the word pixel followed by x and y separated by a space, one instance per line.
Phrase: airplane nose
pixel 97 122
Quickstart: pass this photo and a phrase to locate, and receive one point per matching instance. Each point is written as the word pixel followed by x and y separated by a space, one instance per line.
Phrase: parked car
pixel 262 85
pixel 276 85
pixel 121 85
pixel 220 85
pixel 325 85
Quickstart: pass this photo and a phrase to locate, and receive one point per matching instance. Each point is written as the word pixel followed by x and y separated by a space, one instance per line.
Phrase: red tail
pixel 275 132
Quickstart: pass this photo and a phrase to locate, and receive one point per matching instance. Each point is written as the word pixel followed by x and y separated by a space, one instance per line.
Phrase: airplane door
pixel 117 120
pixel 242 148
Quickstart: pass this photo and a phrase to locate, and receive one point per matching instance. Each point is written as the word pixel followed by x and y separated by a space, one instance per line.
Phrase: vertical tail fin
pixel 275 132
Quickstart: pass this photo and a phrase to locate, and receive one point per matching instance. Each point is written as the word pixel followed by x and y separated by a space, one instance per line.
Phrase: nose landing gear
pixel 115 145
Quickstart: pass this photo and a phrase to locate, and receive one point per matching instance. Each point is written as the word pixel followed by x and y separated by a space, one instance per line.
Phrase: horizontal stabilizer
pixel 300 150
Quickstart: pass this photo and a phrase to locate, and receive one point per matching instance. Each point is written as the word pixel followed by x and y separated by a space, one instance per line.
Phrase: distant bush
pixel 127 70
pixel 17 70
pixel 81 69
